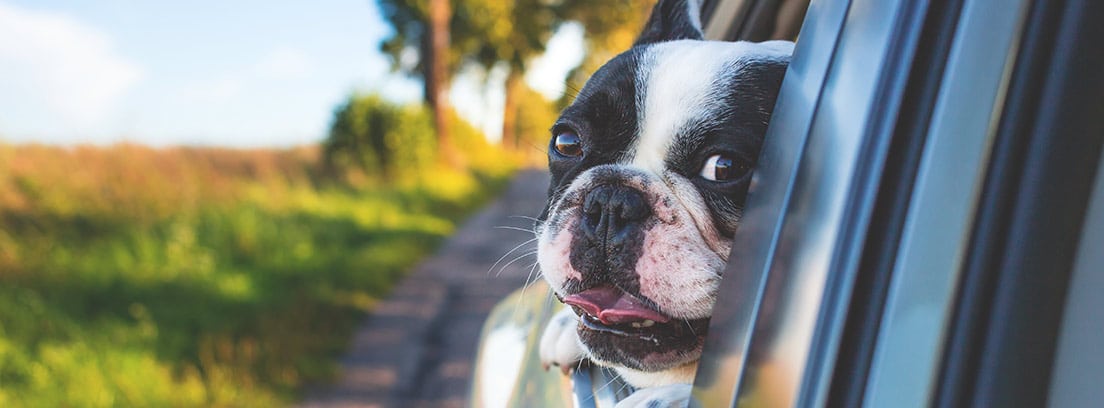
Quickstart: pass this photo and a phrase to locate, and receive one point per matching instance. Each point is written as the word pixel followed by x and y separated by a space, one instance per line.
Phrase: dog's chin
pixel 656 347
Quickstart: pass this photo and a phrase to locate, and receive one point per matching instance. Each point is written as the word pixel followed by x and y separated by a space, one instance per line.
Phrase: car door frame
pixel 980 70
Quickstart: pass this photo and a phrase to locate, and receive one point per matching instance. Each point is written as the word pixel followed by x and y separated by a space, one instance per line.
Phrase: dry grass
pixel 199 277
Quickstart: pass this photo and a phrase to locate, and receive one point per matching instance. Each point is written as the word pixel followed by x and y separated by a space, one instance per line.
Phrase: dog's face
pixel 650 166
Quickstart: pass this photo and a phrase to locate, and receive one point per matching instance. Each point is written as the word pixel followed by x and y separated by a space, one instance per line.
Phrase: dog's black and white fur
pixel 650 166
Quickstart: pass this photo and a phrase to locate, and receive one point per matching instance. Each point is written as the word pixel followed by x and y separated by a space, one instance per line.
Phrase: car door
pixel 923 205
pixel 917 211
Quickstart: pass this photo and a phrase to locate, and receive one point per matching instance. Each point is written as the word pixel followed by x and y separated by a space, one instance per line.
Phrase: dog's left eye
pixel 568 144
pixel 719 167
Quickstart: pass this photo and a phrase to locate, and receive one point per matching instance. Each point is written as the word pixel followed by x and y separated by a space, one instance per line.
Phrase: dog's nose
pixel 609 212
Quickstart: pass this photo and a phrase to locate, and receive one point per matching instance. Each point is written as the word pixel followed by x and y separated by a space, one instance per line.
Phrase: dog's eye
pixel 722 168
pixel 567 144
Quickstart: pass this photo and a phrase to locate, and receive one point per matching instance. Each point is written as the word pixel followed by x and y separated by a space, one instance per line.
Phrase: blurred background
pixel 200 200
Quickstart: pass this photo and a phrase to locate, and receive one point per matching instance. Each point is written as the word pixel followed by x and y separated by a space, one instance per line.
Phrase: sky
pixel 241 73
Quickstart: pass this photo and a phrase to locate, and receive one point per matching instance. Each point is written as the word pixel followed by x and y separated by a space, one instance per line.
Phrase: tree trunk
pixel 436 77
pixel 510 110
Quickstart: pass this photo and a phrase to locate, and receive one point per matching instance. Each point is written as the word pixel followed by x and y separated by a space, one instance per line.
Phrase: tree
pixel 440 12
pixel 610 27
pixel 515 32
pixel 427 24
pixel 510 33
pixel 492 32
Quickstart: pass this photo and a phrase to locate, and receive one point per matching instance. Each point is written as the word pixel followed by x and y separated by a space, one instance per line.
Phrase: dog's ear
pixel 672 20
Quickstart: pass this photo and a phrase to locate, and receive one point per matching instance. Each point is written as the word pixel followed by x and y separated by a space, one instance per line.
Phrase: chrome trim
pixel 1078 362
pixel 936 233
pixel 722 365
pixel 814 219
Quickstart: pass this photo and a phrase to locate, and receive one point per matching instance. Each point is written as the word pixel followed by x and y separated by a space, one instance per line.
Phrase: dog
pixel 650 167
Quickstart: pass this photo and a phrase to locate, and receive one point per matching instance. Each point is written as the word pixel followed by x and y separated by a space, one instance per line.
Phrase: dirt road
pixel 418 346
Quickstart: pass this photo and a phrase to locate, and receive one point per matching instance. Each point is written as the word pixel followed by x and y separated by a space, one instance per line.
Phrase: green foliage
pixel 409 20
pixel 373 140
pixel 480 31
pixel 481 156
pixel 610 27
pixel 381 138
pixel 509 33
pixel 491 31
pixel 535 116
pixel 487 32
pixel 237 289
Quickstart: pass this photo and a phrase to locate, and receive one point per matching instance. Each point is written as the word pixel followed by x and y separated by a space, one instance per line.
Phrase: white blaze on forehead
pixel 678 85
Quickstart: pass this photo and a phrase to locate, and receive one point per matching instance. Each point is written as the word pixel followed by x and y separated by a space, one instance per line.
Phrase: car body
pixel 925 227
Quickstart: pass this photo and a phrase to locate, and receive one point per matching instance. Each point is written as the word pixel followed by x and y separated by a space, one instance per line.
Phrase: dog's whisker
pixel 518 258
pixel 536 278
pixel 608 383
pixel 529 280
pixel 623 386
pixel 568 86
pixel 507 227
pixel 526 285
pixel 508 254
pixel 689 326
pixel 524 217
pixel 538 147
pixel 533 278
pixel 522 295
pixel 517 307
pixel 548 302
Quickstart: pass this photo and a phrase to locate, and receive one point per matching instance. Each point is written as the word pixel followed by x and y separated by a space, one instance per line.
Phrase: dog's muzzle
pixel 612 216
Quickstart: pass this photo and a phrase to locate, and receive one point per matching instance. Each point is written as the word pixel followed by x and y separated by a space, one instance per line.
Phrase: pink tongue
pixel 612 306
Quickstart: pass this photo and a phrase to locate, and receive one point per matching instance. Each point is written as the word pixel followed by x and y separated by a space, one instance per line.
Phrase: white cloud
pixel 62 63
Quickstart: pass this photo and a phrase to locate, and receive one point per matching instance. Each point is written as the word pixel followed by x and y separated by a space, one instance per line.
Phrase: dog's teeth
pixel 647 323
pixel 636 325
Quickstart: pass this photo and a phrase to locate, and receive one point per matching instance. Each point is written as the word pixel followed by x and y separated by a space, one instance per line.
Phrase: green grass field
pixel 132 276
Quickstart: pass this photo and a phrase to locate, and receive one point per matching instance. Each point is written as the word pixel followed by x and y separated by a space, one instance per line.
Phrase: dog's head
pixel 650 166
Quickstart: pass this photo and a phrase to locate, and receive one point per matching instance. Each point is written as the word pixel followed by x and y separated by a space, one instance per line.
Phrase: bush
pixel 373 141
pixel 373 135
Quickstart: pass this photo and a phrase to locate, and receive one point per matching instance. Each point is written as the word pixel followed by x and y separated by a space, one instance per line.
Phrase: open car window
pixel 906 240
pixel 861 269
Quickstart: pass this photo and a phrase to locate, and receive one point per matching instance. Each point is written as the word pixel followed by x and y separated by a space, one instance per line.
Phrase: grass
pixel 132 276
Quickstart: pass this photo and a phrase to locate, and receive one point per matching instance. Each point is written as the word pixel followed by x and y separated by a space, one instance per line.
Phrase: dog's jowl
pixel 650 166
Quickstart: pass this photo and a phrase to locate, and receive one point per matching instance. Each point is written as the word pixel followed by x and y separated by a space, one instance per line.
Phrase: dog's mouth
pixel 610 310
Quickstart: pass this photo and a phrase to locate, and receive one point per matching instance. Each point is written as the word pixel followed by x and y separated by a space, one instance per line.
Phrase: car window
pixel 1079 363
pixel 735 312
pixel 846 272
pixel 846 281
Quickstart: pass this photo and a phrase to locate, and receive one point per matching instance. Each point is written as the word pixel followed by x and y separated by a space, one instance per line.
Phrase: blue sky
pixel 232 73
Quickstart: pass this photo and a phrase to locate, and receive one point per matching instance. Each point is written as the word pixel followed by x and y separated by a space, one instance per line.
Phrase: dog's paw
pixel 666 396
pixel 559 344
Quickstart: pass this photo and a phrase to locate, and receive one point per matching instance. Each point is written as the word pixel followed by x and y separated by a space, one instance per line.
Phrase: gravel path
pixel 418 346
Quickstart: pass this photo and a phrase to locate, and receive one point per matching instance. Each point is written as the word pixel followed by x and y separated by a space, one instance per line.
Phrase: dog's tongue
pixel 612 306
